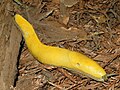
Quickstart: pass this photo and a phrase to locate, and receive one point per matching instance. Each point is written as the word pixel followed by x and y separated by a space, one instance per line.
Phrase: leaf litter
pixel 86 26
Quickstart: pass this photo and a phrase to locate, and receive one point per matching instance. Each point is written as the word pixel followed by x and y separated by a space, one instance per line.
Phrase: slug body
pixel 58 56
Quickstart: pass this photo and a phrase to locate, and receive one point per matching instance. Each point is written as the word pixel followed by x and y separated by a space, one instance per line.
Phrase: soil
pixel 87 26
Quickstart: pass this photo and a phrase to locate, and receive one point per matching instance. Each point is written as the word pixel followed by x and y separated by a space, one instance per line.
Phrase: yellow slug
pixel 58 56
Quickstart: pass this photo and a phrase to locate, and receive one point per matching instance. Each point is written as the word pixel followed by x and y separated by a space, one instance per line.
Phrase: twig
pixel 57 86
pixel 67 75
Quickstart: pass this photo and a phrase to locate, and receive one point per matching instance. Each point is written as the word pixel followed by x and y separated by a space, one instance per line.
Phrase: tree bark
pixel 10 39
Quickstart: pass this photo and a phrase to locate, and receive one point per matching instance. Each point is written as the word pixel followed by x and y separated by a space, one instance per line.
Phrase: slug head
pixel 87 66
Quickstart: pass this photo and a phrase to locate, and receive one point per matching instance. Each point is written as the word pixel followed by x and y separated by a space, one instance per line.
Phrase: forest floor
pixel 87 26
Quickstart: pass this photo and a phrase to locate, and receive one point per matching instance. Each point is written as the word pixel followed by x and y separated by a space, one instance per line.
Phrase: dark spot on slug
pixel 78 64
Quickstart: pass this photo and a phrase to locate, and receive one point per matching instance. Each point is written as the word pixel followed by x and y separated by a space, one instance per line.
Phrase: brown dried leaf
pixel 46 14
pixel 54 32
pixel 99 18
pixel 56 1
pixel 63 9
pixel 65 20
pixel 69 3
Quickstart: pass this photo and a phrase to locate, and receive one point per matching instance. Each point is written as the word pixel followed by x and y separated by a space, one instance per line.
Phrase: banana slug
pixel 58 56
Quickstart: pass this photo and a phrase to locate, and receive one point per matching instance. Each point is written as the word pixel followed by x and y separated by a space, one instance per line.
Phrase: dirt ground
pixel 87 26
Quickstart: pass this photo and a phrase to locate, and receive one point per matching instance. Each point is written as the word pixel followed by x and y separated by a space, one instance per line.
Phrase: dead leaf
pixel 63 9
pixel 53 32
pixel 46 14
pixel 56 1
pixel 99 18
pixel 69 3
pixel 65 20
